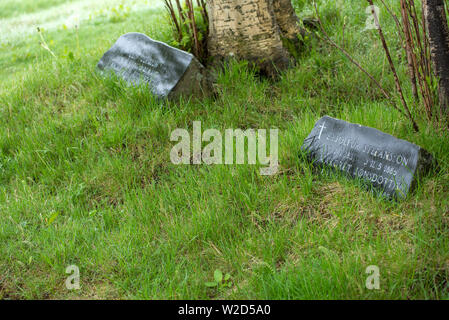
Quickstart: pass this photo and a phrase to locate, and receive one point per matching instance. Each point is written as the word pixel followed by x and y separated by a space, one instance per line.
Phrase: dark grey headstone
pixel 136 58
pixel 387 163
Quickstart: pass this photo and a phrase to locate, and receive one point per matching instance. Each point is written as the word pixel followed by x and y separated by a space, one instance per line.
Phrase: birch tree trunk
pixel 437 28
pixel 264 32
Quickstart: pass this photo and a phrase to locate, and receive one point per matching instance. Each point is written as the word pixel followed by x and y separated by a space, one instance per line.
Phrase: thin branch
pixel 411 59
pixel 395 18
pixel 180 12
pixel 202 5
pixel 191 14
pixel 331 42
pixel 171 11
pixel 393 69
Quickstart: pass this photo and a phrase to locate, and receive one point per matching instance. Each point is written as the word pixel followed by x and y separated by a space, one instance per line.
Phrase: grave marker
pixel 168 71
pixel 387 163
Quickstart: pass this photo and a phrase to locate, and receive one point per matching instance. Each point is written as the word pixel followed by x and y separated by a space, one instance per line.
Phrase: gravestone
pixel 169 72
pixel 389 164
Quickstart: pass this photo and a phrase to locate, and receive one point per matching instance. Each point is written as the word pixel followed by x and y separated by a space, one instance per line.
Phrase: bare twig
pixel 189 33
pixel 422 72
pixel 411 59
pixel 202 5
pixel 191 15
pixel 393 69
pixel 174 19
pixel 395 18
pixel 180 12
pixel 331 42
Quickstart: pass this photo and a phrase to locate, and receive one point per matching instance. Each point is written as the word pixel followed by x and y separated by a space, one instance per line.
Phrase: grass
pixel 86 177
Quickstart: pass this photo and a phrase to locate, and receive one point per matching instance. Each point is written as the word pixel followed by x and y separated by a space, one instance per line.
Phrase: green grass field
pixel 86 177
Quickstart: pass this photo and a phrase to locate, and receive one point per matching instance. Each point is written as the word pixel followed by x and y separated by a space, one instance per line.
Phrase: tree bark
pixel 437 29
pixel 264 32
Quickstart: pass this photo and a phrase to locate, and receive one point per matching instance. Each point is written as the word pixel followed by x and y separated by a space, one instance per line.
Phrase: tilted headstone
pixel 168 71
pixel 387 163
